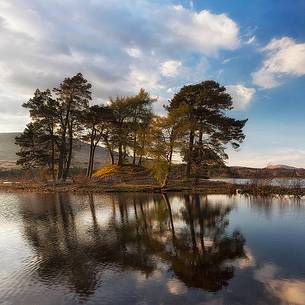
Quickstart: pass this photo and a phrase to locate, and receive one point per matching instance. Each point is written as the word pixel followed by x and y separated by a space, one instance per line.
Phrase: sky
pixel 256 49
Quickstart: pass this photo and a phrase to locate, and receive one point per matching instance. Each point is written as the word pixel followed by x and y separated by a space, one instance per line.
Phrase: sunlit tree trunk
pixel 53 153
pixel 189 156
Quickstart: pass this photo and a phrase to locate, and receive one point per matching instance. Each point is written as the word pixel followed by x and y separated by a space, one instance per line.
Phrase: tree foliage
pixel 196 129
pixel 202 108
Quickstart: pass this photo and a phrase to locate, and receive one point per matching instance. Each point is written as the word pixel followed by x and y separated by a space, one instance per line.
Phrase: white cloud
pixel 287 290
pixel 248 157
pixel 204 31
pixel 251 40
pixel 266 273
pixel 176 287
pixel 134 52
pixel 170 68
pixel 117 45
pixel 283 57
pixel 12 122
pixel 144 75
pixel 227 60
pixel 241 95
pixel 265 79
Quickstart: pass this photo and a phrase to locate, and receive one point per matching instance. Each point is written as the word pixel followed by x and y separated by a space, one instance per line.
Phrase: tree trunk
pixel 165 197
pixel 92 209
pixel 63 149
pixel 66 171
pixel 120 161
pixel 90 159
pixel 60 165
pixel 142 151
pixel 53 156
pixel 189 157
pixel 191 221
pixel 61 158
pixel 144 218
pixel 200 220
pixel 124 153
pixel 134 149
pixel 169 169
pixel 92 136
pixel 111 156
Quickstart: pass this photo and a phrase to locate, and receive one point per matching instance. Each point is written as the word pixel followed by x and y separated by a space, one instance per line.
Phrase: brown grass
pixel 106 170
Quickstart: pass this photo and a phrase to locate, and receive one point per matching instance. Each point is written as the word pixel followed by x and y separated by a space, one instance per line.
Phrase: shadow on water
pixel 77 243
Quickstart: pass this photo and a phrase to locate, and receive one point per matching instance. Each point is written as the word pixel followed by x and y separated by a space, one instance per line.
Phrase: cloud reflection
pixel 288 291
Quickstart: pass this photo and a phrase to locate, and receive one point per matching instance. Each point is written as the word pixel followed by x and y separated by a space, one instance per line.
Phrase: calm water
pixel 283 182
pixel 149 249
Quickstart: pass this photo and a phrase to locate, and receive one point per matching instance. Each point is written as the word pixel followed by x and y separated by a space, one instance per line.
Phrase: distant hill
pixel 280 166
pixel 8 150
pixel 8 160
pixel 249 172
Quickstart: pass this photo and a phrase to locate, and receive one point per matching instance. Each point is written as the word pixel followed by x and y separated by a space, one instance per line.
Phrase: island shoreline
pixel 206 187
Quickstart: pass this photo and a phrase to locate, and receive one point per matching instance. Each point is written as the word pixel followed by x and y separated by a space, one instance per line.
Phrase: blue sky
pixel 255 48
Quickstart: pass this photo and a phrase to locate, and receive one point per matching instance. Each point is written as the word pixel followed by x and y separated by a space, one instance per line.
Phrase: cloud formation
pixel 286 290
pixel 241 95
pixel 170 68
pixel 283 57
pixel 203 32
pixel 251 158
pixel 120 46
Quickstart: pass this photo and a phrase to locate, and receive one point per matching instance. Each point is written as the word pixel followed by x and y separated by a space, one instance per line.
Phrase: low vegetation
pixel 269 186
pixel 106 171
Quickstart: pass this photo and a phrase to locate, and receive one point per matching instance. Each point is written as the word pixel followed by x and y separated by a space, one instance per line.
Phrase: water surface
pixel 151 249
pixel 282 182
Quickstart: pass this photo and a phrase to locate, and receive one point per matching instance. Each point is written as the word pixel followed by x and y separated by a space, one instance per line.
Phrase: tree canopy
pixel 195 126
pixel 203 110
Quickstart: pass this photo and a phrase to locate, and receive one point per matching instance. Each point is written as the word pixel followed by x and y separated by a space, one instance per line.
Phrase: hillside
pixel 8 151
pixel 249 172
pixel 280 166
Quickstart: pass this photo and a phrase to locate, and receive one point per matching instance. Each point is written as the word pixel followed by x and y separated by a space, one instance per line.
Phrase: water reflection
pixel 290 291
pixel 135 232
pixel 151 249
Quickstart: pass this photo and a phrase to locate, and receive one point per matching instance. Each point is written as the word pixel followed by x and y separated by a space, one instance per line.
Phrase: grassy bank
pixel 139 179
pixel 82 186
pixel 93 186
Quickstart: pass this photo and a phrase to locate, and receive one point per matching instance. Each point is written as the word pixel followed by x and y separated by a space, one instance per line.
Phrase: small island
pixel 138 150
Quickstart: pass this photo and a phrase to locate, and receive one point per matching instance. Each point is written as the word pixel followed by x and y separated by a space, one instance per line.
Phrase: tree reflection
pixel 139 233
pixel 205 266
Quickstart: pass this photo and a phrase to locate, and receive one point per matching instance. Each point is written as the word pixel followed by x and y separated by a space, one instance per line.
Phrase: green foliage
pixel 73 96
pixel 55 123
pixel 34 147
pixel 196 127
pixel 159 170
pixel 131 118
pixel 202 110
pixel 97 121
